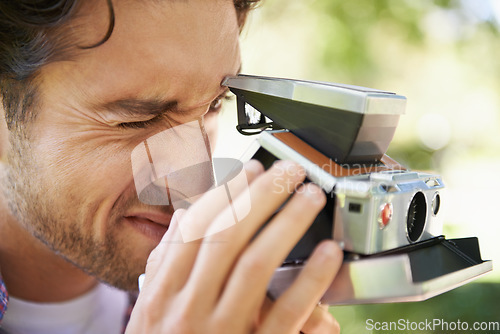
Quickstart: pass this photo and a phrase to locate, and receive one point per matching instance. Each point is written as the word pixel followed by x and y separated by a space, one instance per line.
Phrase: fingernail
pixel 141 280
pixel 253 166
pixel 314 193
pixel 330 248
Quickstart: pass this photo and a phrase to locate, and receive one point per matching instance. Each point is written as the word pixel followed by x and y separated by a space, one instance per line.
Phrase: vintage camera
pixel 385 216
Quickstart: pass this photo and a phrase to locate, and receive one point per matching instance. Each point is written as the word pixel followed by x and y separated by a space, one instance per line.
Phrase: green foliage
pixel 354 32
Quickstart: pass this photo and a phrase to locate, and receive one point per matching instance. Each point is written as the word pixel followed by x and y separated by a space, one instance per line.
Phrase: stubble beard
pixel 54 219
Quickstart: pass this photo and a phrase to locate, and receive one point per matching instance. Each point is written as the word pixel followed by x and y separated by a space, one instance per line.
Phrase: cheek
pixel 90 168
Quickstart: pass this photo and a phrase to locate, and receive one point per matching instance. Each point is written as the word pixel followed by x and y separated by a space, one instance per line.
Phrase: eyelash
pixel 215 106
pixel 142 124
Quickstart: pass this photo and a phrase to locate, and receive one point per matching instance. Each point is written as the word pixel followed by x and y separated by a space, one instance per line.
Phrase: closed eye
pixel 144 124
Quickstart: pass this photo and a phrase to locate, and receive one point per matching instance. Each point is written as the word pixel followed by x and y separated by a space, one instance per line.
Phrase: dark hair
pixel 31 36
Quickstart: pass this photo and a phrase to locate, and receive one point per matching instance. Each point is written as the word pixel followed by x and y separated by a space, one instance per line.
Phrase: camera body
pixel 372 207
pixel 386 217
pixel 381 211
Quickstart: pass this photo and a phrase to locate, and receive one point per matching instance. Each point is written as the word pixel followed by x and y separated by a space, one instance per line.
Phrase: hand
pixel 218 284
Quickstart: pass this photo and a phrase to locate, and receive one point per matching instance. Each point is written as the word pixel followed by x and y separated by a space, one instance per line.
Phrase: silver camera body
pixel 374 207
pixel 387 218
pixel 381 211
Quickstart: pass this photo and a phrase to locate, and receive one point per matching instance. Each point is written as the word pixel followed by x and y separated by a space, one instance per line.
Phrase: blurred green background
pixel 444 56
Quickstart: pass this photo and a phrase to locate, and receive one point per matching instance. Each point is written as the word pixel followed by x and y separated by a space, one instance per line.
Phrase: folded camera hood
pixel 346 123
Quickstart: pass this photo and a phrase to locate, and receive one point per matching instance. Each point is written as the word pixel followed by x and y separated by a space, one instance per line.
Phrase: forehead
pixel 181 49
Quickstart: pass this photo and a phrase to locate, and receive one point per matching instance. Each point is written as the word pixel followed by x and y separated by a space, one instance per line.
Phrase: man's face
pixel 74 186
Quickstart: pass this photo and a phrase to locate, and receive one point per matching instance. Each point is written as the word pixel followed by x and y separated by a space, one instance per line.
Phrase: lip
pixel 151 224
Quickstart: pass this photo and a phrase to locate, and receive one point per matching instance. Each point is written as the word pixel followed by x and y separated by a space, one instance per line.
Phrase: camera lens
pixel 436 204
pixel 415 218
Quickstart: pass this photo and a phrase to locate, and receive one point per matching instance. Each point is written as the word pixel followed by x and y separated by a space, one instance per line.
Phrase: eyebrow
pixel 133 107
pixel 140 107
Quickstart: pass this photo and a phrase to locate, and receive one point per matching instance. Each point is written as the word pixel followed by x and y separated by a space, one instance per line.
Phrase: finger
pixel 253 271
pixel 321 321
pixel 220 251
pixel 172 260
pixel 172 235
pixel 252 169
pixel 201 215
pixel 264 310
pixel 158 260
pixel 156 292
pixel 292 309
